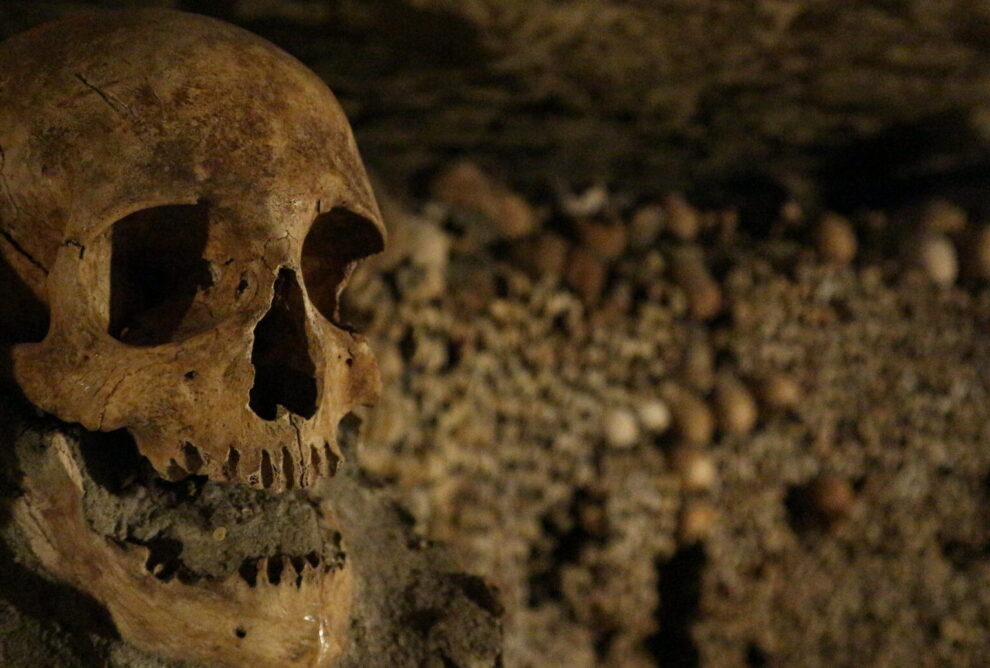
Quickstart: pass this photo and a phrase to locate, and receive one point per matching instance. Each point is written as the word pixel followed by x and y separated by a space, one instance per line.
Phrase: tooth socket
pixel 283 470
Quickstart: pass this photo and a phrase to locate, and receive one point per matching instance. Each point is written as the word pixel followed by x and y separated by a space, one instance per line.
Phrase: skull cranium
pixel 189 201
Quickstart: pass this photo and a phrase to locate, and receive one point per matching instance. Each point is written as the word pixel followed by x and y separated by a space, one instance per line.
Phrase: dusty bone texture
pixel 413 603
pixel 188 201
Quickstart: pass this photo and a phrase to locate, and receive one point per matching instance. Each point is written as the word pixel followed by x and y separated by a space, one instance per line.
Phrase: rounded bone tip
pixel 621 427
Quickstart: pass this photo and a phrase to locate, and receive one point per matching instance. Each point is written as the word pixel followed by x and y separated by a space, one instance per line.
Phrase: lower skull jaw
pixel 274 610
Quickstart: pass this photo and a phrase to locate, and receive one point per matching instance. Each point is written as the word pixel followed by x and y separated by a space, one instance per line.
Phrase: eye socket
pixel 156 270
pixel 336 241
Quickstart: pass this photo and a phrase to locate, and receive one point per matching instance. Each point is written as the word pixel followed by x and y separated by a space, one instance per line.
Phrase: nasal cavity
pixel 284 373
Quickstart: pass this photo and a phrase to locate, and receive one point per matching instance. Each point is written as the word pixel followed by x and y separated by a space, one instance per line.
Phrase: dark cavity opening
pixel 112 460
pixel 567 539
pixel 284 373
pixel 756 657
pixel 267 472
pixel 275 568
pixel 156 269
pixel 800 509
pixel 233 459
pixel 249 571
pixel 679 589
pixel 194 461
pixel 298 563
pixel 336 241
pixel 163 557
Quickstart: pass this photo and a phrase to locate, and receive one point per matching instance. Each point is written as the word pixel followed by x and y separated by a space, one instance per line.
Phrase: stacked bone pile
pixel 668 438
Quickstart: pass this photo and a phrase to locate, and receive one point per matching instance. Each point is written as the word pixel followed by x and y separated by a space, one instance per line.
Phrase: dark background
pixel 844 102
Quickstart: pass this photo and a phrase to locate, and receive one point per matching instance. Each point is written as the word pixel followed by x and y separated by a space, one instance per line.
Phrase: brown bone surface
pixel 188 201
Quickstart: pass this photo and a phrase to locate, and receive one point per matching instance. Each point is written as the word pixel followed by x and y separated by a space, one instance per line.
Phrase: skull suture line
pixel 189 202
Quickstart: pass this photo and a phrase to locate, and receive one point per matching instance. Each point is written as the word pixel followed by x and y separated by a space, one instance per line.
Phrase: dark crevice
pixel 80 248
pixel 163 557
pixel 194 461
pixel 9 238
pixel 112 459
pixel 275 568
pixel 285 375
pixel 23 317
pixel 407 344
pixel 603 643
pixel 908 162
pixel 249 572
pixel 175 472
pixel 801 515
pixel 805 513
pixel 963 555
pixel 233 459
pixel 679 590
pixel 479 592
pixel 756 657
pixel 567 536
pixel 111 101
pixel 298 563
pixel 424 620
pixel 267 472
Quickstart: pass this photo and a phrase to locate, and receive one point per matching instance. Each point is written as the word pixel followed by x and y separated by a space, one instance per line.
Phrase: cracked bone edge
pixel 281 625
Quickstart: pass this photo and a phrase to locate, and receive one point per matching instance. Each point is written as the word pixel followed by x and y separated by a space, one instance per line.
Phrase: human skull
pixel 189 202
